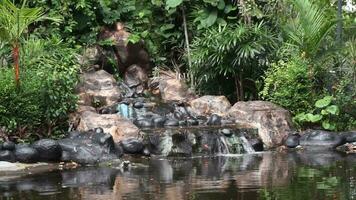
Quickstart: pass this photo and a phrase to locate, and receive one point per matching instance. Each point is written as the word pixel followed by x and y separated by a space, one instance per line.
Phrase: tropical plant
pixel 307 29
pixel 13 23
pixel 288 84
pixel 323 114
pixel 230 51
pixel 46 97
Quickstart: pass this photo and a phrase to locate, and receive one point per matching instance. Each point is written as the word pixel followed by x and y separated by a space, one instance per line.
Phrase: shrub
pixel 290 85
pixel 46 96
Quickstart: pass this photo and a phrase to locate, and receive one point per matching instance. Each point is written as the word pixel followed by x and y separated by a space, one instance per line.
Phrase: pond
pixel 297 175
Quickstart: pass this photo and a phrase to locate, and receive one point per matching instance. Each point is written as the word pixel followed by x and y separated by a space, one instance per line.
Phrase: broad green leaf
pixel 322 103
pixel 324 112
pixel 313 118
pixel 328 125
pixel 173 3
pixel 211 18
pixel 333 109
pixel 221 5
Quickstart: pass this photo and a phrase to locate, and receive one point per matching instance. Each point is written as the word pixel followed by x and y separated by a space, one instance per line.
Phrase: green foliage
pixel 325 113
pixel 289 85
pixel 15 20
pixel 46 97
pixel 309 27
pixel 231 50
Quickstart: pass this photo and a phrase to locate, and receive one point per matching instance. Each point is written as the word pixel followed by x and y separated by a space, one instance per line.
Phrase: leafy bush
pixel 324 113
pixel 290 85
pixel 46 96
pixel 233 52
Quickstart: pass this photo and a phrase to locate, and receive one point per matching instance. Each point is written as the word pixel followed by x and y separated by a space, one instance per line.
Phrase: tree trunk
pixel 16 57
pixel 188 49
pixel 239 87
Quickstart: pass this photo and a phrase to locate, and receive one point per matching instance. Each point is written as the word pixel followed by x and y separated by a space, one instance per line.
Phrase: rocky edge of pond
pixel 106 133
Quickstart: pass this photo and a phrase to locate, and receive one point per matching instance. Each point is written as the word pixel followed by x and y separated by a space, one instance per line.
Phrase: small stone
pixel 214 120
pixel 292 141
pixel 138 105
pixel 159 121
pixel 226 132
pixel 171 122
pixel 192 122
pixel 143 123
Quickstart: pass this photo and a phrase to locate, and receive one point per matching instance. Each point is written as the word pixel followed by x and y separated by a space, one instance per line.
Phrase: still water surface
pixel 264 176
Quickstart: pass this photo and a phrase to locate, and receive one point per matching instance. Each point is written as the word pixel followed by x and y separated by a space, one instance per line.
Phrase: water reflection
pixel 253 176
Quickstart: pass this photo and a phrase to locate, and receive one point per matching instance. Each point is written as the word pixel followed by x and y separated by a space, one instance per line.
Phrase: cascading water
pixel 246 144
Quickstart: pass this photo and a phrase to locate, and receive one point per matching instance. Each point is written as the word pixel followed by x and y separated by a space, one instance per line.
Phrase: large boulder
pixel 98 87
pixel 6 155
pixel 48 149
pixel 173 89
pixel 273 122
pixel 119 127
pixel 317 139
pixel 88 148
pixel 26 154
pixel 207 105
pixel 132 146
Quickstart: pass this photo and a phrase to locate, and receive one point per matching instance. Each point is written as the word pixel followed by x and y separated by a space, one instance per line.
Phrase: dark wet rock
pixel 119 150
pixel 159 121
pixel 256 144
pixel 27 155
pixel 88 148
pixel 8 146
pixel 6 155
pixel 48 149
pixel 138 105
pixel 214 120
pixel 132 146
pixel 321 139
pixel 171 122
pixel 143 123
pixel 292 141
pixel 192 122
pixel 350 137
